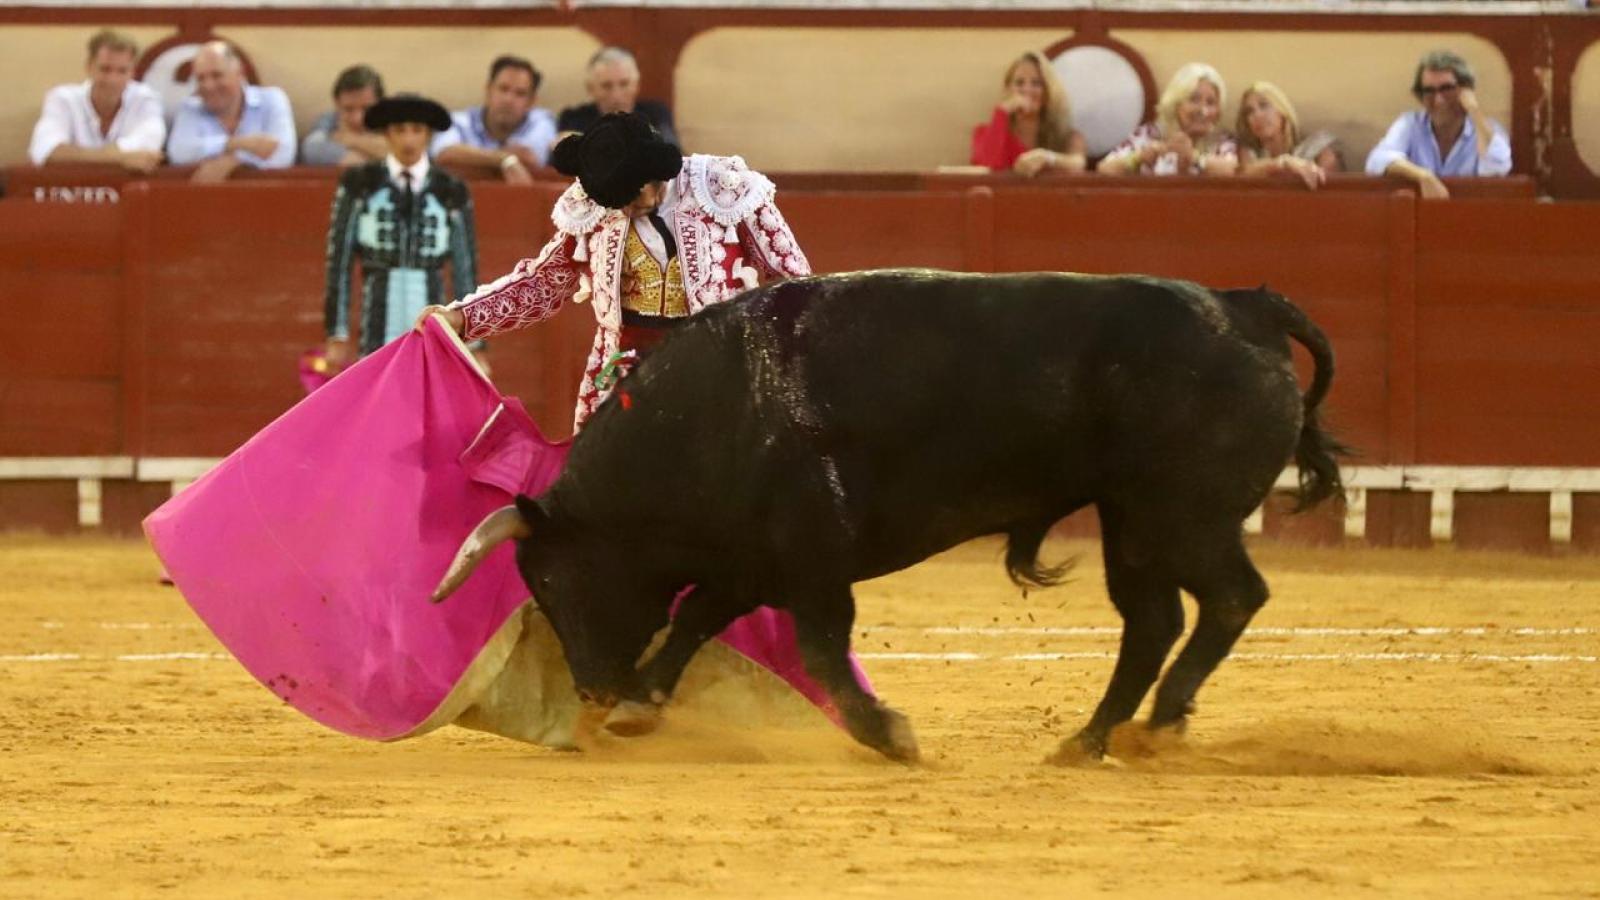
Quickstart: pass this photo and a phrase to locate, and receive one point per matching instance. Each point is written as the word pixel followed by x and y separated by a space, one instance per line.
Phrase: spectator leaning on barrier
pixel 1448 136
pixel 1184 139
pixel 227 123
pixel 110 118
pixel 403 219
pixel 1269 138
pixel 612 80
pixel 340 136
pixel 507 133
pixel 1031 128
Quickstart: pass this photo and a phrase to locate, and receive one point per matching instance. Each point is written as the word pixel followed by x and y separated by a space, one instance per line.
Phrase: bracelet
pixel 509 162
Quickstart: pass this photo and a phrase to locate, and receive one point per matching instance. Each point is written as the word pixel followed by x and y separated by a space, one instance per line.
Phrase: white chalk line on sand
pixel 1116 631
pixel 1063 631
pixel 124 657
pixel 960 656
pixel 1036 631
pixel 1246 656
pixel 964 656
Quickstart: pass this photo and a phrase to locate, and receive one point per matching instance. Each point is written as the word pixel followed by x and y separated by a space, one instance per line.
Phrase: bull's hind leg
pixel 823 619
pixel 1146 596
pixel 1228 590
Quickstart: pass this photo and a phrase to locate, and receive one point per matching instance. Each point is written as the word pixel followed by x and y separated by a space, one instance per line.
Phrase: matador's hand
pixel 451 317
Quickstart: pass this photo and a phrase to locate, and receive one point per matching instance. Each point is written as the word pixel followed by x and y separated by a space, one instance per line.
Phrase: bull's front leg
pixel 703 614
pixel 823 620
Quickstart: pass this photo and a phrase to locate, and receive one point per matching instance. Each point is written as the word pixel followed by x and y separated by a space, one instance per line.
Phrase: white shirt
pixel 648 236
pixel 418 170
pixel 69 118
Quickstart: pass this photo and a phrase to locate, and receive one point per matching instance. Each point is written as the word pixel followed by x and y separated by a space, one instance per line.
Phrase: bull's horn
pixel 498 527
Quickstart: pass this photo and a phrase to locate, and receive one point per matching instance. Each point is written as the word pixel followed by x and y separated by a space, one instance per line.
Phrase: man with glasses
pixel 1448 136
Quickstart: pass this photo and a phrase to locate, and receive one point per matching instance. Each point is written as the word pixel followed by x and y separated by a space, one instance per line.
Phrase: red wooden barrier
pixel 1508 315
pixel 167 324
pixel 61 272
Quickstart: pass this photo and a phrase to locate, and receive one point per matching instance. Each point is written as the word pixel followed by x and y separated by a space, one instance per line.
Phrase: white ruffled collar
pixel 723 187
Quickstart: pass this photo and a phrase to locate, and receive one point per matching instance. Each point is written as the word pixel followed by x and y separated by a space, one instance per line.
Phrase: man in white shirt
pixel 109 118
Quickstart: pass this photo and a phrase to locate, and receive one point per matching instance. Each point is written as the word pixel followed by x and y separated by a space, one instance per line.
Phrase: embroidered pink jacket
pixel 729 234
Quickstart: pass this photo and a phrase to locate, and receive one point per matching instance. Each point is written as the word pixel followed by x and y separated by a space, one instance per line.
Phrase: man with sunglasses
pixel 1448 136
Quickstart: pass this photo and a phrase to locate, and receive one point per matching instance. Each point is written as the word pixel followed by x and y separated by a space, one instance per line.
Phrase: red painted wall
pixel 168 324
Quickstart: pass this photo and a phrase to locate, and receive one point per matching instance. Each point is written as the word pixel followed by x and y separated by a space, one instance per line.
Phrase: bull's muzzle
pixel 502 525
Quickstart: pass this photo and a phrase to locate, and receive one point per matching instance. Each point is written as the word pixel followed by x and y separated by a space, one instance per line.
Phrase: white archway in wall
pixel 1586 107
pixel 1107 97
pixel 162 75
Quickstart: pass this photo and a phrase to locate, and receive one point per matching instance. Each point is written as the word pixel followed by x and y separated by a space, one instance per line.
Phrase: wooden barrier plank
pixel 1586 521
pixel 60 417
pixel 1399 518
pixel 60 346
pixel 1322 526
pixel 49 506
pixel 67 324
pixel 1508 320
pixel 1400 328
pixel 1502 520
pixel 843 232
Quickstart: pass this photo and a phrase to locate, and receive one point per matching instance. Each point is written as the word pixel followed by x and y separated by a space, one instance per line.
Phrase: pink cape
pixel 311 550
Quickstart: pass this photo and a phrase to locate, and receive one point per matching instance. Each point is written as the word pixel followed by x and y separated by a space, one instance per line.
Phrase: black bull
pixel 823 431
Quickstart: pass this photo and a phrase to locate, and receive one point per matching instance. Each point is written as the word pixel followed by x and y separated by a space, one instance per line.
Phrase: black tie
pixel 666 234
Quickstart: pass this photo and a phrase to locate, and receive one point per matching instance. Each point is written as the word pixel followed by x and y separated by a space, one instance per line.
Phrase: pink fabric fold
pixel 311 550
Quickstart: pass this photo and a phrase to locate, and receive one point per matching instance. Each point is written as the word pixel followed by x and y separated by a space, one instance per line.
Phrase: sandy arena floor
pixel 1398 724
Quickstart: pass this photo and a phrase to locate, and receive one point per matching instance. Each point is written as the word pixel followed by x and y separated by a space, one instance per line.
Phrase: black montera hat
pixel 616 158
pixel 406 108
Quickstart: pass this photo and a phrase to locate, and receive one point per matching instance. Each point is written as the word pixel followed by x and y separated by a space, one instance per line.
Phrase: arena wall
pixel 1464 330
pixel 171 319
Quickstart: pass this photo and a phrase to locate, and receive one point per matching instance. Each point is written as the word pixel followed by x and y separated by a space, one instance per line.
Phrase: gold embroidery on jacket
pixel 646 289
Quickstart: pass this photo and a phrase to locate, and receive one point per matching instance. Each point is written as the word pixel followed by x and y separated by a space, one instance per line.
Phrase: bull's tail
pixel 1022 556
pixel 1317 450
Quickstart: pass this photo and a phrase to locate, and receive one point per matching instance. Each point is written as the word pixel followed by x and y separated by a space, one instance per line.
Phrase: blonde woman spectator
pixel 1269 138
pixel 1184 139
pixel 1031 128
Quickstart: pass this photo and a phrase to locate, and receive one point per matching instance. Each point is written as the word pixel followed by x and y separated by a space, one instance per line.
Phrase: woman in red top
pixel 1031 129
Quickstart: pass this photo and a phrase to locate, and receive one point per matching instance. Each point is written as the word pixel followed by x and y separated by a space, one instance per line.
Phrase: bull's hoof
pixel 1082 749
pixel 1133 740
pixel 901 743
pixel 631 718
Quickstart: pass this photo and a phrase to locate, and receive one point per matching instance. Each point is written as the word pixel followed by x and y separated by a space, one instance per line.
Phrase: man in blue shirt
pixel 228 123
pixel 340 137
pixel 1449 136
pixel 507 133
